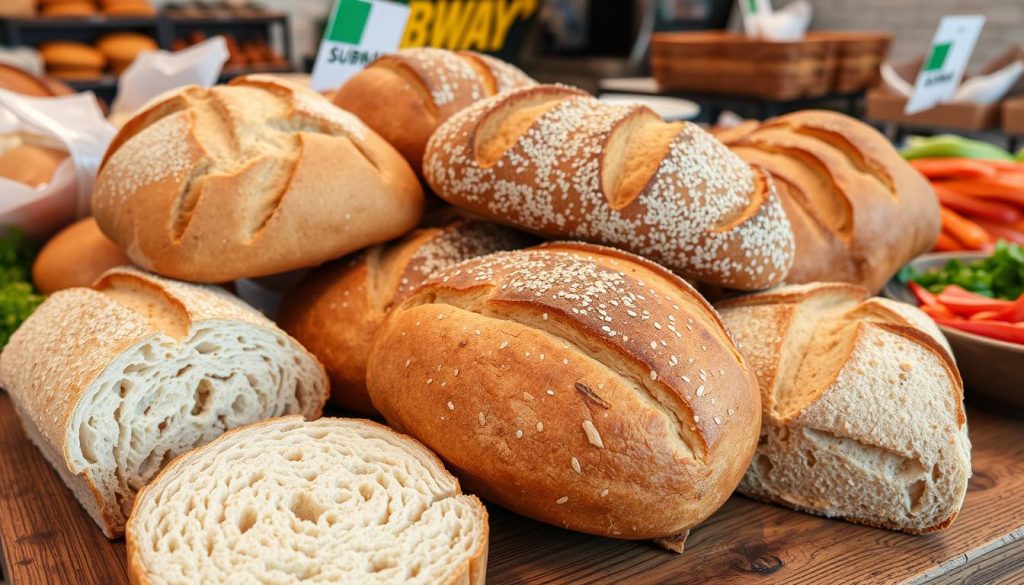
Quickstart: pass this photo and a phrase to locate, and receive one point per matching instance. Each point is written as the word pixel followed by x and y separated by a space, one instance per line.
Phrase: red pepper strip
pixel 994 329
pixel 1012 314
pixel 938 312
pixel 977 207
pixel 924 296
pixel 984 316
pixel 965 303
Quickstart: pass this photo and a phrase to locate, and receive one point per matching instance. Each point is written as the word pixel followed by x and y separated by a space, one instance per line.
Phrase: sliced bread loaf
pixel 863 413
pixel 112 382
pixel 287 501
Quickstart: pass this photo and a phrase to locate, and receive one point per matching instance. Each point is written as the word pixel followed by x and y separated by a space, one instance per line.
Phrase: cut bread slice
pixel 112 382
pixel 288 501
pixel 862 407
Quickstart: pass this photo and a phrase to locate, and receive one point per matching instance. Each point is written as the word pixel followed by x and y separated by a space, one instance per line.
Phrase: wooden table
pixel 48 538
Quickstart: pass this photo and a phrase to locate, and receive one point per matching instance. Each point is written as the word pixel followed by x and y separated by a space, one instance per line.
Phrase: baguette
pixel 555 161
pixel 863 407
pixel 287 501
pixel 574 384
pixel 336 310
pixel 112 382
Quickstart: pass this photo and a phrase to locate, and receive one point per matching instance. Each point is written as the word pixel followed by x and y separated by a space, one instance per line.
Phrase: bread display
pixel 863 407
pixel 252 178
pixel 422 88
pixel 859 211
pixel 112 382
pixel 558 162
pixel 75 257
pixel 31 164
pixel 72 60
pixel 337 309
pixel 574 384
pixel 287 501
pixel 68 9
pixel 122 48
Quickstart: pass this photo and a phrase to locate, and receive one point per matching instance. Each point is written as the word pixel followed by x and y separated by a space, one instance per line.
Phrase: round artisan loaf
pixel 114 381
pixel 863 407
pixel 574 384
pixel 287 501
pixel 76 256
pixel 252 178
pixel 422 88
pixel 336 310
pixel 558 162
pixel 859 211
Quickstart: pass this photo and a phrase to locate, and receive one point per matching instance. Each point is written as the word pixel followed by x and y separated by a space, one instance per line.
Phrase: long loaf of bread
pixel 112 382
pixel 556 161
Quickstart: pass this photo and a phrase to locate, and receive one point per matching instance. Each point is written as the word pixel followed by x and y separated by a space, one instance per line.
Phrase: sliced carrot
pixel 976 206
pixel 947 168
pixel 964 230
pixel 1000 231
pixel 947 243
pixel 1001 188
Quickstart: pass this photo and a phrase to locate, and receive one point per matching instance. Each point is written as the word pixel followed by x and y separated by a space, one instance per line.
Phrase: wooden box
pixel 858 58
pixel 1013 115
pixel 885 106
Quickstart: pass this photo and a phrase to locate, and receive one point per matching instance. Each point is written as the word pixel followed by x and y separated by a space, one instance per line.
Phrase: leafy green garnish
pixel 1000 276
pixel 17 297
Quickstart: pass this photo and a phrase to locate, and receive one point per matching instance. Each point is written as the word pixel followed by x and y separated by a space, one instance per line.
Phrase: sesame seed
pixel 407 362
pixel 540 426
pixel 545 316
pixel 455 371
pixel 700 390
pixel 731 411
pixel 482 419
pixel 592 435
pixel 430 381
pixel 565 361
pixel 440 316
pixel 696 419
pixel 451 405
pixel 519 433
pixel 551 392
pixel 527 396
pixel 503 345
pixel 576 465
pixel 654 375
pixel 685 379
pixel 562 500
pixel 654 345
pixel 604 492
pixel 718 420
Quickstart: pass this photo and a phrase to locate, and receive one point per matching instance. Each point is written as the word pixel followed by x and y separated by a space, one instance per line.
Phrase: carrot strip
pixel 977 207
pixel 947 243
pixel 1000 188
pixel 1001 232
pixel 964 230
pixel 945 168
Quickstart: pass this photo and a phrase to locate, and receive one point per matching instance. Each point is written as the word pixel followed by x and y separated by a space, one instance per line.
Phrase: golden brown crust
pixel 75 257
pixel 254 178
pixel 859 211
pixel 574 384
pixel 30 164
pixel 423 87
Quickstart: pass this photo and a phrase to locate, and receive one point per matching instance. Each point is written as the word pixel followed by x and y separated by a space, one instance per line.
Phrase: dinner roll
pixel 76 256
pixel 31 164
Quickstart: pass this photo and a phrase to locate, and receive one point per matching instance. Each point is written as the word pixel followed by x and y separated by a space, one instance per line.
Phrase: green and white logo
pixel 358 32
pixel 937 59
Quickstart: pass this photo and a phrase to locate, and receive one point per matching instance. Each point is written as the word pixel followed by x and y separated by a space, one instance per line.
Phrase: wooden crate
pixel 1013 115
pixel 858 58
pixel 885 106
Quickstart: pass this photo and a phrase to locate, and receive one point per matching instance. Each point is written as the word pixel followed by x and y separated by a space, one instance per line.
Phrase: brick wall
pixel 913 22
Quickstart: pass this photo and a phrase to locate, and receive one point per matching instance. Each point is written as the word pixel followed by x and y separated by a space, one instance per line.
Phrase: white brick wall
pixel 913 22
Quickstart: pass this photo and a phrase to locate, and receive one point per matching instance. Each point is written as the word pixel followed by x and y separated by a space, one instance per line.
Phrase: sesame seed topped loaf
pixel 112 382
pixel 287 501
pixel 252 178
pixel 404 96
pixel 575 384
pixel 336 310
pixel 859 211
pixel 863 407
pixel 558 162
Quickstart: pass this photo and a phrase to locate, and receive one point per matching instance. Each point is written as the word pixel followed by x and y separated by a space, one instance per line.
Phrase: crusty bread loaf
pixel 558 162
pixel 75 257
pixel 859 211
pixel 287 501
pixel 422 88
pixel 257 177
pixel 31 164
pixel 23 82
pixel 114 381
pixel 336 311
pixel 575 384
pixel 863 407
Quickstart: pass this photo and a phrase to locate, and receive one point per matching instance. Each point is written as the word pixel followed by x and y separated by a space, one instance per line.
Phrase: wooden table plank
pixel 47 537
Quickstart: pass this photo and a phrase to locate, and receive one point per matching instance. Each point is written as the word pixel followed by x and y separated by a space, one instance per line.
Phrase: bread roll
pixel 123 47
pixel 555 161
pixel 71 56
pixel 31 164
pixel 863 407
pixel 574 384
pixel 287 501
pixel 337 309
pixel 252 178
pixel 23 82
pixel 114 381
pixel 139 8
pixel 859 211
pixel 422 88
pixel 69 9
pixel 75 257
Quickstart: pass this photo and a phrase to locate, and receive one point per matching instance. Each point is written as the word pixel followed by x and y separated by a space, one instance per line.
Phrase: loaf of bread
pixel 555 161
pixel 23 82
pixel 75 257
pixel 859 211
pixel 68 9
pixel 287 501
pixel 252 178
pixel 863 407
pixel 406 95
pixel 112 382
pixel 121 48
pixel 336 311
pixel 31 164
pixel 72 59
pixel 574 384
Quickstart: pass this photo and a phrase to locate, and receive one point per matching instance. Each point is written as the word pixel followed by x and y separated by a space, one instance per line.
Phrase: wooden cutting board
pixel 48 538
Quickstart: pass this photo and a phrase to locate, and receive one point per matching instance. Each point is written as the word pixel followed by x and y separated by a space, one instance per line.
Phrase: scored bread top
pixel 858 210
pixel 556 161
pixel 595 382
pixel 216 184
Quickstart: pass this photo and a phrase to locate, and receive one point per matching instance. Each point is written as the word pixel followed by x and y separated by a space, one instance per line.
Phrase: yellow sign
pixel 460 25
